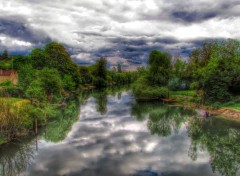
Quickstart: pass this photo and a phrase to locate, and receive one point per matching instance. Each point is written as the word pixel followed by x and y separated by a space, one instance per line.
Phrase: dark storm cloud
pixel 190 17
pixel 17 28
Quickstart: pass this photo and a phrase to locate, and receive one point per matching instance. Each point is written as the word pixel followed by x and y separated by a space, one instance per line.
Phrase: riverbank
pixel 185 98
pixel 18 118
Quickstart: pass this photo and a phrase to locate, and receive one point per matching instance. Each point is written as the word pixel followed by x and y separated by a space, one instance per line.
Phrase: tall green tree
pixel 101 73
pixel 159 68
pixel 119 68
pixel 218 70
pixel 39 58
pixel 58 58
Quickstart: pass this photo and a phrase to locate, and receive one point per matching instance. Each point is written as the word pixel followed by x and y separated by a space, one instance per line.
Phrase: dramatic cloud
pixel 122 30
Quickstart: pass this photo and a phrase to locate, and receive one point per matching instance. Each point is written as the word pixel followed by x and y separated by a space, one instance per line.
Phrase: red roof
pixel 7 72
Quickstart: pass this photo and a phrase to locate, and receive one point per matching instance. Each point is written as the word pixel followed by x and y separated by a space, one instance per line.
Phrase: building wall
pixel 12 77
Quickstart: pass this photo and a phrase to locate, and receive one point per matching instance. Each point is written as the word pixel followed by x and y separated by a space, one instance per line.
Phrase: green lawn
pixel 235 106
pixel 183 92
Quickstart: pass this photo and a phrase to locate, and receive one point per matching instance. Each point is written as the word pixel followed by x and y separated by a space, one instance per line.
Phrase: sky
pixel 123 31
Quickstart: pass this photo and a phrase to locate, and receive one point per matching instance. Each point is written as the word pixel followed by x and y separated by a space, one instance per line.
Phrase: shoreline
pixel 224 112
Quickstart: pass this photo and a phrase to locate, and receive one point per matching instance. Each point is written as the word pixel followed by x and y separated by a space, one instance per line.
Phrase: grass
pixel 12 100
pixel 235 106
pixel 183 92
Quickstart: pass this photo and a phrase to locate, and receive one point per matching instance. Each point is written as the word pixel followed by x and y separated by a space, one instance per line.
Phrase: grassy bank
pixel 188 98
pixel 17 117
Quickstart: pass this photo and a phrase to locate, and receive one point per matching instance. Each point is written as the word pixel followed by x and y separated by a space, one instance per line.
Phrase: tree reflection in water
pixel 101 101
pixel 162 120
pixel 219 137
pixel 15 158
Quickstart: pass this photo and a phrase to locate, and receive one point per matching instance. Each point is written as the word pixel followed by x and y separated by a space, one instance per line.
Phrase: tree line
pixel 213 70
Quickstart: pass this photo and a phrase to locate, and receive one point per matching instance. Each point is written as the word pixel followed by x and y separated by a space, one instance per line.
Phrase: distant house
pixel 9 75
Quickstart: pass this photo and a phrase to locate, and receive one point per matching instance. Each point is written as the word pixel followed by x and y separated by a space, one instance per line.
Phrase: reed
pixel 13 117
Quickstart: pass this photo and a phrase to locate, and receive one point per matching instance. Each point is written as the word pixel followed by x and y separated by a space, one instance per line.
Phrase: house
pixel 9 75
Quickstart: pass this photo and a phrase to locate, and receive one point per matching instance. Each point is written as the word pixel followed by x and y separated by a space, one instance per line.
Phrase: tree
pixel 5 55
pixel 101 73
pixel 58 58
pixel 50 80
pixel 26 74
pixel 159 68
pixel 39 59
pixel 35 92
pixel 86 76
pixel 219 70
pixel 119 68
pixel 178 79
pixel 68 83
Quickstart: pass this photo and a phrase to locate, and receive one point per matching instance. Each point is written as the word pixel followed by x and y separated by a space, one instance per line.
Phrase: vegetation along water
pixel 172 117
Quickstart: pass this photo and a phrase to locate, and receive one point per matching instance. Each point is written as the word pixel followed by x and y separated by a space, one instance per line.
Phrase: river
pixel 113 135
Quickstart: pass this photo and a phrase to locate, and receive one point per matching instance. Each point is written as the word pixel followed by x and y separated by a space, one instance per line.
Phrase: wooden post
pixel 35 126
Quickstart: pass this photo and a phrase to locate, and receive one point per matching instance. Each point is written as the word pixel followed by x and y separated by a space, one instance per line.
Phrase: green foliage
pixel 35 92
pixel 100 73
pixel 151 84
pixel 116 78
pixel 5 65
pixel 218 70
pixel 50 80
pixel 6 83
pixel 10 123
pixel 68 83
pixel 221 139
pixel 142 91
pixel 101 101
pixel 26 74
pixel 64 119
pixel 194 85
pixel 161 120
pixel 86 76
pixel 159 68
pixel 60 59
pixel 20 61
pixel 48 83
pixel 178 80
pixel 39 58
pixel 11 91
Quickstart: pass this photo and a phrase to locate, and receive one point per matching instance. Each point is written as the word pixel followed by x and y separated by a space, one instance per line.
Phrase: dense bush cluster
pixel 153 81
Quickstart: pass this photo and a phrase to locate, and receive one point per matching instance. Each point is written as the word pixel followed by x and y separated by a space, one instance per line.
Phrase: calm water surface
pixel 114 135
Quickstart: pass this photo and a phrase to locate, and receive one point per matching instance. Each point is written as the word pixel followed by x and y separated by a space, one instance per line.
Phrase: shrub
pixel 11 91
pixel 6 83
pixel 144 92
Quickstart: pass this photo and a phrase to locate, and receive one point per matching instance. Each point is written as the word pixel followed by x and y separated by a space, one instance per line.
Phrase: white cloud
pixel 96 22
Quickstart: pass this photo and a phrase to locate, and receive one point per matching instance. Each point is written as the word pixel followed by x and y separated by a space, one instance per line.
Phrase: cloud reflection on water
pixel 116 143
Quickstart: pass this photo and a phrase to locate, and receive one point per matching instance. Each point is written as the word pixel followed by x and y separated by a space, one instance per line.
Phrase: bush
pixel 11 91
pixel 6 83
pixel 216 105
pixel 144 92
